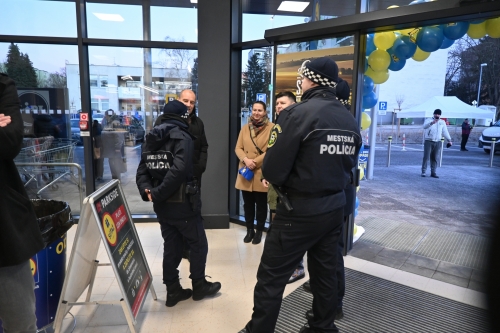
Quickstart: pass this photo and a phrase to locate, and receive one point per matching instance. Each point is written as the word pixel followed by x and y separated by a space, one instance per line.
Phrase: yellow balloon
pixel 493 27
pixel 361 172
pixel 357 189
pixel 384 40
pixel 393 6
pixel 379 60
pixel 366 120
pixel 355 231
pixel 420 55
pixel 377 77
pixel 477 31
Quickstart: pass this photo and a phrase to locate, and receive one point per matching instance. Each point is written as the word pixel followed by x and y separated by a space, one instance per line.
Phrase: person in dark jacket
pixel 165 177
pixel 200 154
pixel 98 158
pixel 311 153
pixel 20 237
pixel 197 129
pixel 466 128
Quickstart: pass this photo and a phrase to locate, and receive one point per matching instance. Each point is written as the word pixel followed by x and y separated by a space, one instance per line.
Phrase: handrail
pixel 75 165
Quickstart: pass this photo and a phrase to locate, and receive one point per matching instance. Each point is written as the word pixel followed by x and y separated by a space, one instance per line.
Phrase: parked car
pixel 130 123
pixel 75 131
pixel 488 134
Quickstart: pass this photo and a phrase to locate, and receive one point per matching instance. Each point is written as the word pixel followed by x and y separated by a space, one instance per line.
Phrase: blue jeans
pixel 17 299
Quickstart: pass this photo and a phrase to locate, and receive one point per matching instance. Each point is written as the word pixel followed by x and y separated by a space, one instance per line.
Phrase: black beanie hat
pixel 437 111
pixel 343 92
pixel 176 107
pixel 323 71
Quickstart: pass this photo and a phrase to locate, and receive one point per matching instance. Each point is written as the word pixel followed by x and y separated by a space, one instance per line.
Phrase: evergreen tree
pixel 254 79
pixel 194 76
pixel 20 68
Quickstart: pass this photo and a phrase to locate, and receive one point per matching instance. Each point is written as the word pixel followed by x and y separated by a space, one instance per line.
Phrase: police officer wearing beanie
pixel 165 177
pixel 311 152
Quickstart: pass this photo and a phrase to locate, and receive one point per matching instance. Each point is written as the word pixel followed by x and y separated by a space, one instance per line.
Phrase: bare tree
pixel 400 98
pixel 57 79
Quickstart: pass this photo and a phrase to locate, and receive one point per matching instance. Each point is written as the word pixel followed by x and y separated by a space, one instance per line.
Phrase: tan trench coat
pixel 245 148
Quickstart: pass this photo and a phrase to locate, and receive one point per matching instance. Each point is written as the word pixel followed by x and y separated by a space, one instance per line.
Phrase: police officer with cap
pixel 165 177
pixel 311 152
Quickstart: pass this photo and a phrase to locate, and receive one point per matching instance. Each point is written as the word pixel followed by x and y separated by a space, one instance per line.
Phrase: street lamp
pixel 479 87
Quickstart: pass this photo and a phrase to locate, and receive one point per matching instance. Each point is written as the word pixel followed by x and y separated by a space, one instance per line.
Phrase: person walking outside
pixel 466 128
pixel 434 130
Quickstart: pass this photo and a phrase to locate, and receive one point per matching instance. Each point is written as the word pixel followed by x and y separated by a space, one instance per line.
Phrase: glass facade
pixel 258 17
pixel 126 83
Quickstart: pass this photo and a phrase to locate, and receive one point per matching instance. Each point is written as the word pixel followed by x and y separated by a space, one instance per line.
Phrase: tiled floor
pixel 231 262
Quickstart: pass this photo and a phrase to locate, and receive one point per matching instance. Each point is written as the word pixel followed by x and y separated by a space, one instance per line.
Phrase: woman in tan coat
pixel 252 155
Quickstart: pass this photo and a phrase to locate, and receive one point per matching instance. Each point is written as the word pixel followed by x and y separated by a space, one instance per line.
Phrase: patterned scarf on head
pixel 257 125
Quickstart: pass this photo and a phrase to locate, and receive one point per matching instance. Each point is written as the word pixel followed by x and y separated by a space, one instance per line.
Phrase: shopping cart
pixel 50 153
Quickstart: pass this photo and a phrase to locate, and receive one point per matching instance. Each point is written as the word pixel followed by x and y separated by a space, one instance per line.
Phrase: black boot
pixel 307 287
pixel 339 314
pixel 202 288
pixel 250 234
pixel 175 294
pixel 257 237
pixel 309 314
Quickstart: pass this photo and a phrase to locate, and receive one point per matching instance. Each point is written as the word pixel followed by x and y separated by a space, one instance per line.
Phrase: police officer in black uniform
pixel 311 152
pixel 165 177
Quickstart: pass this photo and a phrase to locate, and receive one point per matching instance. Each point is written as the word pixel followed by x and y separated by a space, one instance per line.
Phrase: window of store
pixel 49 100
pixel 111 21
pixel 258 17
pixel 36 18
pixel 130 103
pixel 175 24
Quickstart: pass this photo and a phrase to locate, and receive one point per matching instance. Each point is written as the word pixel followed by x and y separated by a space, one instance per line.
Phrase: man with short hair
pixel 200 153
pixel 311 152
pixel 434 130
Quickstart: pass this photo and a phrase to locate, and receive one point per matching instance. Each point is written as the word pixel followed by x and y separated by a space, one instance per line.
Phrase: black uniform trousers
pixel 286 243
pixel 173 232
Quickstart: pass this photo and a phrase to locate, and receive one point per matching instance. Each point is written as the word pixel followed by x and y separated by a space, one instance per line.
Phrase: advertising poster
pixel 123 246
pixel 289 64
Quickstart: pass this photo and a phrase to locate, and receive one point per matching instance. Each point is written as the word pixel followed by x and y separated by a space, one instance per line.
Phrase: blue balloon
pixel 369 100
pixel 430 39
pixel 397 63
pixel 367 85
pixel 411 46
pixel 455 31
pixel 370 45
pixel 446 43
pixel 355 212
pixel 357 203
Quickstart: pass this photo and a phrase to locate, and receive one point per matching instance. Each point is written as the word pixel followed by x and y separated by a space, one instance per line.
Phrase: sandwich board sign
pixel 105 216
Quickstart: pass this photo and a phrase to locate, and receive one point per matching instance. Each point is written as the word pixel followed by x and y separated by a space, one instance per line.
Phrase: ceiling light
pixel 293 6
pixel 194 1
pixel 109 17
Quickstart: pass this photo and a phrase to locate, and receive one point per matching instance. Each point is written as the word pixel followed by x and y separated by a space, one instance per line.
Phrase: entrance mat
pixel 375 305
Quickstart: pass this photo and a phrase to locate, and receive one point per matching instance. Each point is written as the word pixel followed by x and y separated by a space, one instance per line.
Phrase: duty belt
pixel 291 194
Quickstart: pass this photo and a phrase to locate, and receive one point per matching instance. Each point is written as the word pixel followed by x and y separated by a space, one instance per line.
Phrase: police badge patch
pixel 274 135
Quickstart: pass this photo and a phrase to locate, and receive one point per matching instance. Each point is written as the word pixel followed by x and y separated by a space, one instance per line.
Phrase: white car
pixel 487 136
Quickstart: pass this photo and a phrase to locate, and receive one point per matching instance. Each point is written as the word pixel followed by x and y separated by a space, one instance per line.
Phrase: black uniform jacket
pixel 311 152
pixel 20 236
pixel 166 164
pixel 200 154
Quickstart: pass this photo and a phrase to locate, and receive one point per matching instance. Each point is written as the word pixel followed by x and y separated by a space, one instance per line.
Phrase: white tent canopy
pixel 450 106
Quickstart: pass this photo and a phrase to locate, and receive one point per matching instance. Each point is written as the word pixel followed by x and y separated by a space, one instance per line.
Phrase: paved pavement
pixel 453 214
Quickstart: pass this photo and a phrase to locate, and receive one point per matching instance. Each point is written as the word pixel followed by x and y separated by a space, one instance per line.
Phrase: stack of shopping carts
pixel 49 153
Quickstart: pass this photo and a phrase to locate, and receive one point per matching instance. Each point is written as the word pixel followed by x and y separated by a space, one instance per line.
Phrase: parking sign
pixel 382 106
pixel 261 97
